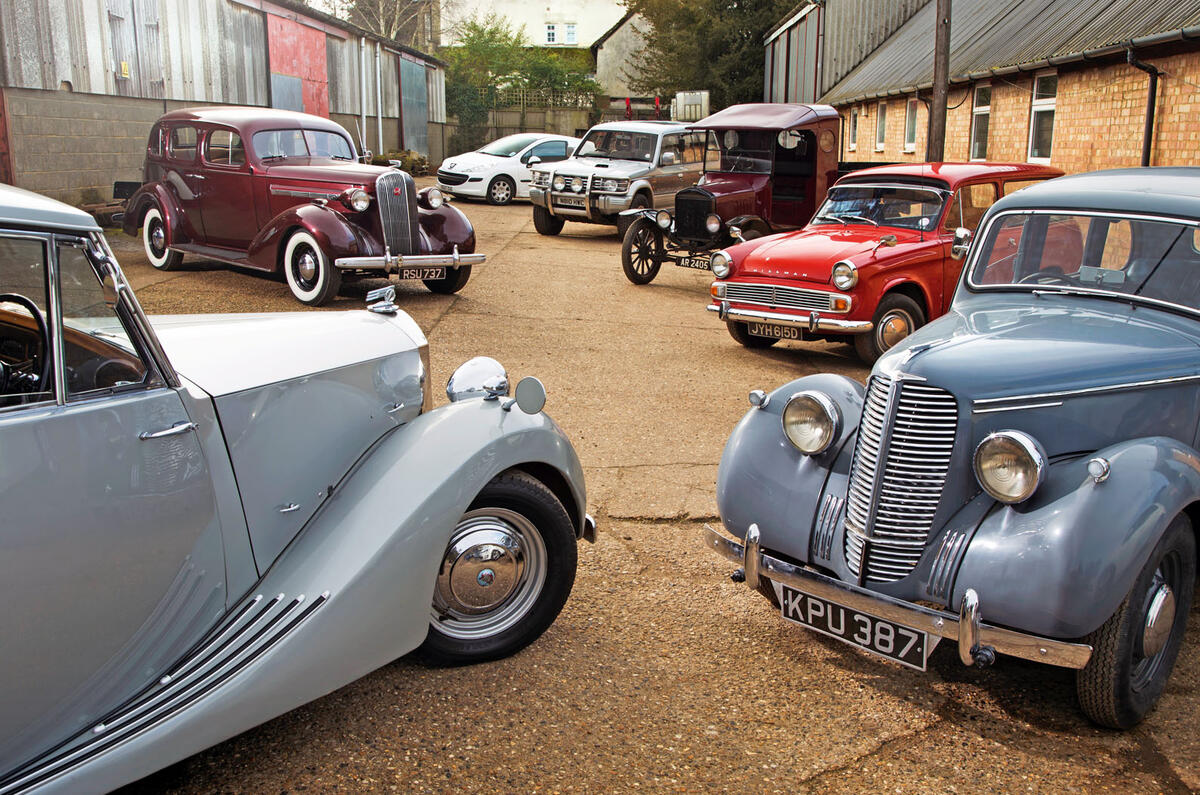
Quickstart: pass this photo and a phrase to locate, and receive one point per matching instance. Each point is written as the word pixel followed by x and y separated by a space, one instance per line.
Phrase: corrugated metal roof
pixel 997 34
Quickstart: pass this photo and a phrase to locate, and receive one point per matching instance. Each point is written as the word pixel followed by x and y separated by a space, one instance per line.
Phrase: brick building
pixel 1049 82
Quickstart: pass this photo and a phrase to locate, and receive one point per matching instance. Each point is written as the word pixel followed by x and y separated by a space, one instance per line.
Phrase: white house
pixel 550 23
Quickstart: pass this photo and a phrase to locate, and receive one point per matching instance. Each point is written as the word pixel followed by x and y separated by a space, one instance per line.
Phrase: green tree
pixel 704 44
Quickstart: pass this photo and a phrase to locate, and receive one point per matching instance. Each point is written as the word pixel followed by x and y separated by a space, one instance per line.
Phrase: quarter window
pixel 881 126
pixel 981 113
pixel 22 348
pixel 181 144
pixel 224 148
pixel 910 126
pixel 155 144
pixel 1041 117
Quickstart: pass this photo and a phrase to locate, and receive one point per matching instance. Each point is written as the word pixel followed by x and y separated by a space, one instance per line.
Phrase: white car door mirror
pixel 532 160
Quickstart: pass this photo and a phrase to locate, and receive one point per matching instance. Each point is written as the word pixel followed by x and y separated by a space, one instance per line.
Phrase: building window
pixel 881 126
pixel 1041 117
pixel 551 37
pixel 981 113
pixel 571 34
pixel 910 126
pixel 852 144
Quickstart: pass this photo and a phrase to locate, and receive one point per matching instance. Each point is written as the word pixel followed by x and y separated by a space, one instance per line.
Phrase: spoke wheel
pixel 641 252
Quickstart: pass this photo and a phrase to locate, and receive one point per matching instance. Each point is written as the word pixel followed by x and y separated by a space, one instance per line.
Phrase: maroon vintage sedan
pixel 279 191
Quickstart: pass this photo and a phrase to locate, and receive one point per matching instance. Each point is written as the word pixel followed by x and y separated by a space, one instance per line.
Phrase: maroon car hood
pixel 320 169
pixel 811 253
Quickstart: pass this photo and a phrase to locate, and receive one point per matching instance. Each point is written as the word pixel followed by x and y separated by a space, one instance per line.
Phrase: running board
pixel 250 632
pixel 231 256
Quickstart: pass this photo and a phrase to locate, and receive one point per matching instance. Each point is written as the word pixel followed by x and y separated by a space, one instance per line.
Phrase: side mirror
pixel 962 241
pixel 531 160
pixel 530 396
pixel 668 158
pixel 366 156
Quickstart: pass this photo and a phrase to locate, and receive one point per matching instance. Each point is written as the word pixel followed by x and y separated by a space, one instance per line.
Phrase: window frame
pixel 880 126
pixel 978 110
pixel 208 136
pixel 57 387
pixel 551 33
pixel 570 36
pixel 910 121
pixel 1037 106
pixel 852 138
pixel 169 148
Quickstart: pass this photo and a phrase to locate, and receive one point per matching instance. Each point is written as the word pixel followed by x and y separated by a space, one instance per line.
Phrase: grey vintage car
pixel 1020 476
pixel 211 520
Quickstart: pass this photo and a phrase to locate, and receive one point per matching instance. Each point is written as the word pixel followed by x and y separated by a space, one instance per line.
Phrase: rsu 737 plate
pixel 887 639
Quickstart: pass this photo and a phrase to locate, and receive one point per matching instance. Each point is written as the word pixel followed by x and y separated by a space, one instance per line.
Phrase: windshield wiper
pixel 1132 300
pixel 829 218
pixel 341 157
pixel 859 218
pixel 267 158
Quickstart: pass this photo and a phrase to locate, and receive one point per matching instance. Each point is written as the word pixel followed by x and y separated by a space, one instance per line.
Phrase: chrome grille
pixel 396 195
pixel 691 212
pixel 916 426
pixel 776 296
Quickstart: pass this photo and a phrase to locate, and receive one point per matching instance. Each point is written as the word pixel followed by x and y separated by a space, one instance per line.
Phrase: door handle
pixel 195 176
pixel 174 430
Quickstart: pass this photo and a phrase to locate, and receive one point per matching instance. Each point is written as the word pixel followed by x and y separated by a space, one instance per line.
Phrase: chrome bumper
pixel 589 529
pixel 974 638
pixel 391 264
pixel 813 322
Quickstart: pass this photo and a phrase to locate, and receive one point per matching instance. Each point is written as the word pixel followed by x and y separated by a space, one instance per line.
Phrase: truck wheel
pixel 456 279
pixel 640 202
pixel 501 190
pixel 741 333
pixel 896 317
pixel 1135 650
pixel 544 222
pixel 311 276
pixel 154 239
pixel 641 251
pixel 507 571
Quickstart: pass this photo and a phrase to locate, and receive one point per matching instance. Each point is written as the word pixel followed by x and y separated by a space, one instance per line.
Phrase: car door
pixel 970 202
pixel 228 195
pixel 182 174
pixel 111 564
pixel 549 152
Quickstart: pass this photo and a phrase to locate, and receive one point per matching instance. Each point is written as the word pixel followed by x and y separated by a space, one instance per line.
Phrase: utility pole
pixel 935 144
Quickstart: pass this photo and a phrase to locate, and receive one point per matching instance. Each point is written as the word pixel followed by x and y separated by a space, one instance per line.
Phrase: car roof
pixel 950 174
pixel 249 119
pixel 1172 191
pixel 20 207
pixel 652 127
pixel 765 116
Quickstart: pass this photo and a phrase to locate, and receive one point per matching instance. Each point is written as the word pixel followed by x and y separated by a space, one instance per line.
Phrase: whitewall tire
pixel 154 240
pixel 311 276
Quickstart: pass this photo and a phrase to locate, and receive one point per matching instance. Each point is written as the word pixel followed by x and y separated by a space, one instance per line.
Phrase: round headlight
pixel 1010 465
pixel 577 185
pixel 559 183
pixel 433 198
pixel 663 219
pixel 845 275
pixel 360 200
pixel 721 264
pixel 811 422
pixel 713 224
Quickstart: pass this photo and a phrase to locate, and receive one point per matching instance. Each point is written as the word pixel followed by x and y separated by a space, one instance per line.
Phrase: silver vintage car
pixel 211 520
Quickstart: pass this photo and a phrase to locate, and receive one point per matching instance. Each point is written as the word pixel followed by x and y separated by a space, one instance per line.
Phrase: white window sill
pixel 1044 161
pixel 909 148
pixel 878 148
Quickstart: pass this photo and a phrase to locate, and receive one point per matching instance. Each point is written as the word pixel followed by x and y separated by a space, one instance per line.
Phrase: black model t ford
pixel 766 166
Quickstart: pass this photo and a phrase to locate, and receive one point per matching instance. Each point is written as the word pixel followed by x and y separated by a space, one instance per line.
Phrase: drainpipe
pixel 378 98
pixel 362 91
pixel 1151 100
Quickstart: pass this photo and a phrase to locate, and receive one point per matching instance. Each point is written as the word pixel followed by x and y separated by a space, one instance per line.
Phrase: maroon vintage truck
pixel 284 192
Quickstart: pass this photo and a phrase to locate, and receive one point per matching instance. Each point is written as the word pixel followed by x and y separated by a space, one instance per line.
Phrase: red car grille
pixel 779 297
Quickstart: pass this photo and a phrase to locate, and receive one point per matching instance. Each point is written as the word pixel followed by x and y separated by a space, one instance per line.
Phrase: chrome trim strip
pixel 393 263
pixel 1092 390
pixel 823 324
pixel 1020 407
pixel 303 194
pixel 54 323
pixel 936 622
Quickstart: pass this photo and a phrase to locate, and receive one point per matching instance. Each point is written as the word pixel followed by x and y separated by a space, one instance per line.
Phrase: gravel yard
pixel 660 673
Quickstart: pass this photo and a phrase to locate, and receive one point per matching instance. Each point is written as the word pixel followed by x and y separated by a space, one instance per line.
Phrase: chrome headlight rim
pixel 431 198
pixel 713 223
pixel 845 275
pixel 559 183
pixel 721 264
pixel 663 219
pixel 357 200
pixel 1025 444
pixel 827 408
pixel 478 377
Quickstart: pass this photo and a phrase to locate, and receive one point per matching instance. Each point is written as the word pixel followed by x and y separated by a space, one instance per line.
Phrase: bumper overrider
pixel 978 643
pixel 390 263
pixel 813 321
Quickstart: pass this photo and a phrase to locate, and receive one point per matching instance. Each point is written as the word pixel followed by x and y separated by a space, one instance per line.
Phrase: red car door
pixel 228 201
pixel 183 178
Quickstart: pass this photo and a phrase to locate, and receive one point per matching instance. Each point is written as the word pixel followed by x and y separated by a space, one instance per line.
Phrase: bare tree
pixel 416 23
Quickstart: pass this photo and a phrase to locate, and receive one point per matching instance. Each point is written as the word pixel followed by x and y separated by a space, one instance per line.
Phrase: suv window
pixel 224 148
pixel 181 144
pixel 22 347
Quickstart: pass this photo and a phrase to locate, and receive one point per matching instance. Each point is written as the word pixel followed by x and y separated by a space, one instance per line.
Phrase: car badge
pixel 395 191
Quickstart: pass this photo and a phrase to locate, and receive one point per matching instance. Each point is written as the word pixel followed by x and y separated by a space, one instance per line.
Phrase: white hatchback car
pixel 499 172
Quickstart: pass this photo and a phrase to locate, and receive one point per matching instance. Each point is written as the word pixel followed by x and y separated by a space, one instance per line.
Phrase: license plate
pixel 775 330
pixel 423 273
pixel 699 263
pixel 569 201
pixel 876 635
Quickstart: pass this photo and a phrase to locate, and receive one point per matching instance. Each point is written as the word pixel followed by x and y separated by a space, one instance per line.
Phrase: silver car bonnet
pixel 600 167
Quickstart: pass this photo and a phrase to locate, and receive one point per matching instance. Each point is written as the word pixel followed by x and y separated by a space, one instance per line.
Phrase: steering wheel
pixel 16 298
pixel 1046 277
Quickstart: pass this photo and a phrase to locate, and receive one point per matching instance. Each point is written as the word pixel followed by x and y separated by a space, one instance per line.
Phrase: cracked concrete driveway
pixel 660 674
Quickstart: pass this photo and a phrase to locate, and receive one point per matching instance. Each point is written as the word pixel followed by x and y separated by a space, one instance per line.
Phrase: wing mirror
pixel 962 241
pixel 532 160
pixel 530 397
pixel 886 240
pixel 668 158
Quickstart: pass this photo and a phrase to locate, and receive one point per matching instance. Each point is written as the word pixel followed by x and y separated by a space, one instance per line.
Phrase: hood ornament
pixel 385 300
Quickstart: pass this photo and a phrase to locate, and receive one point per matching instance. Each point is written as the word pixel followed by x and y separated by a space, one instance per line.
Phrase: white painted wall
pixel 591 18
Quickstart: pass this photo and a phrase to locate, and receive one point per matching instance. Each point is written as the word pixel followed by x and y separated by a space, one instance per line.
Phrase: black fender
pixel 749 223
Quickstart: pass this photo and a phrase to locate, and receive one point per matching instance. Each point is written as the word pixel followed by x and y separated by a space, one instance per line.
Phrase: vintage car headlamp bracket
pixel 845 275
pixel 1025 452
pixel 721 264
pixel 819 412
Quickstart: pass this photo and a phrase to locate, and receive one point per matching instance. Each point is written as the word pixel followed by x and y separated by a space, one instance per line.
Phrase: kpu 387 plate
pixel 888 639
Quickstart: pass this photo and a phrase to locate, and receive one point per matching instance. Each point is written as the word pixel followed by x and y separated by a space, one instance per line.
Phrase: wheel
pixel 154 239
pixel 896 317
pixel 640 202
pixel 501 190
pixel 310 274
pixel 544 222
pixel 507 571
pixel 640 252
pixel 741 333
pixel 1135 649
pixel 456 279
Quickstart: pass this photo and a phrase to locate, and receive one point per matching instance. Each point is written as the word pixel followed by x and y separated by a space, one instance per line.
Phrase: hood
pixel 323 169
pixel 811 253
pixel 1036 345
pixel 224 354
pixel 471 159
pixel 601 167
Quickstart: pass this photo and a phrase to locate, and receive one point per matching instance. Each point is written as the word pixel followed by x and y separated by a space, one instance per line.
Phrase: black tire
pixel 516 506
pixel 896 317
pixel 640 201
pixel 501 190
pixel 456 279
pixel 154 235
pixel 545 223
pixel 310 275
pixel 641 251
pixel 742 334
pixel 1120 684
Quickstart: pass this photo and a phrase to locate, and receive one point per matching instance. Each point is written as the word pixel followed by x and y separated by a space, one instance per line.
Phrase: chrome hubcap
pixel 158 238
pixel 1160 617
pixel 894 327
pixel 307 266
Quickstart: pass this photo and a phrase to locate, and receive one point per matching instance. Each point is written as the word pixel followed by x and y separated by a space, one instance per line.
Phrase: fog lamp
pixel 845 275
pixel 721 264
pixel 713 224
pixel 663 219
pixel 811 421
pixel 559 183
pixel 1010 466
pixel 577 185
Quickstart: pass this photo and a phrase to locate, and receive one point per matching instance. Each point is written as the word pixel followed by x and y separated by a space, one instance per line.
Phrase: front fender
pixel 749 223
pixel 1060 564
pixel 443 229
pixel 336 235
pixel 764 479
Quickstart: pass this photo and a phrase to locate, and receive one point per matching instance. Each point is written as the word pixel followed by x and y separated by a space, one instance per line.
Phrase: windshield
pixel 618 145
pixel 272 144
pixel 883 205
pixel 509 145
pixel 739 151
pixel 1124 256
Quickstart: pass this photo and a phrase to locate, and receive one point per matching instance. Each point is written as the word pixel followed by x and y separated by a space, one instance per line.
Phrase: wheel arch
pixel 910 290
pixel 552 478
